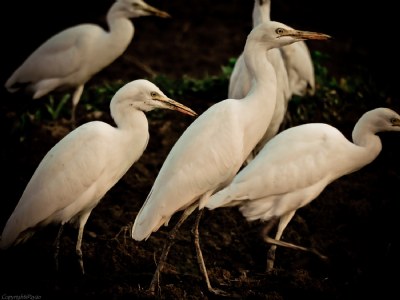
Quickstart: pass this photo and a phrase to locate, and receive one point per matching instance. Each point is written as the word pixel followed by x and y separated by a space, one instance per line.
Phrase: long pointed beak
pixel 307 35
pixel 154 11
pixel 174 105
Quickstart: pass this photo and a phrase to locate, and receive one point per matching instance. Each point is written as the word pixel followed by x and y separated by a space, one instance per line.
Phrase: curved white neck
pixel 261 12
pixel 259 104
pixel 121 31
pixel 364 135
pixel 265 83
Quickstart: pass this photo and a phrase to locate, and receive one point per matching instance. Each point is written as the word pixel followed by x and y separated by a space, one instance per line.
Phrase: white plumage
pixel 77 172
pixel 213 148
pixel 67 60
pixel 296 165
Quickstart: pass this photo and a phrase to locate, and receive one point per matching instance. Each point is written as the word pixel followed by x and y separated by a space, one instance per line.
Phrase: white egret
pixel 293 66
pixel 79 170
pixel 70 58
pixel 296 165
pixel 212 149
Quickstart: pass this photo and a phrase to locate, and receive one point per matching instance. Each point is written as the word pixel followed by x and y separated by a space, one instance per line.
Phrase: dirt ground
pixel 353 221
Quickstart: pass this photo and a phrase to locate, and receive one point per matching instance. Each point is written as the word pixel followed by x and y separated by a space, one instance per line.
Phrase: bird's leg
pixel 200 259
pixel 78 248
pixel 271 252
pixel 75 100
pixel 57 245
pixel 284 221
pixel 167 245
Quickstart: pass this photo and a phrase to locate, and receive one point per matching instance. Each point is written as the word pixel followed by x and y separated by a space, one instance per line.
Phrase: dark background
pixel 217 29
pixel 354 221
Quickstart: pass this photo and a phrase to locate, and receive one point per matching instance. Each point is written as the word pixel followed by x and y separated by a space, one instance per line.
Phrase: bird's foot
pixel 80 261
pixel 152 290
pixel 270 266
pixel 155 284
pixel 218 292
pixel 323 257
pixel 81 267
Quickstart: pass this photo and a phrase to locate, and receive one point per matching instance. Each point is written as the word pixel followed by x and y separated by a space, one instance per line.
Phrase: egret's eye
pixel 394 120
pixel 280 30
pixel 153 94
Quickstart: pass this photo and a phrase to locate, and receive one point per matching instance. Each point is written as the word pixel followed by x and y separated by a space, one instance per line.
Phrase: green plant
pixel 54 108
pixel 337 95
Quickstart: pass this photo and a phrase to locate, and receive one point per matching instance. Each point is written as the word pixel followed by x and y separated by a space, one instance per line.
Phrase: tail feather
pixel 7 240
pixel 222 198
pixel 13 87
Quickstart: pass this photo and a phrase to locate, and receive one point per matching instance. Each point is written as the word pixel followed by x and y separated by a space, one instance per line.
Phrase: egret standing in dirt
pixel 79 170
pixel 296 165
pixel 212 149
pixel 70 58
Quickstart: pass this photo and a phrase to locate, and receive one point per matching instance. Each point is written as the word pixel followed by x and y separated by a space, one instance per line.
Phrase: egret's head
pixel 383 119
pixel 143 95
pixel 139 8
pixel 277 34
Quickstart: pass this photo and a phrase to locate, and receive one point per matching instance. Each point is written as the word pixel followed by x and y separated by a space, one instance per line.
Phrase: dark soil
pixel 353 221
